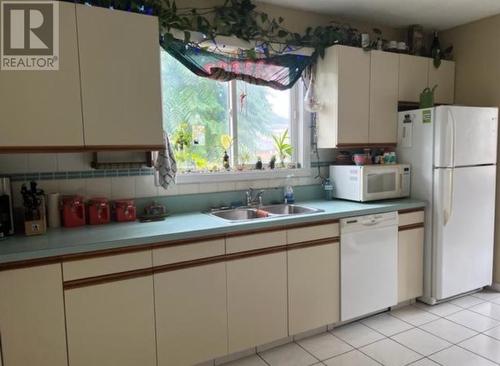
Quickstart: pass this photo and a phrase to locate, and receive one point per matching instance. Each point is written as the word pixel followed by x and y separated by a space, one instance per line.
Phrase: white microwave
pixel 370 182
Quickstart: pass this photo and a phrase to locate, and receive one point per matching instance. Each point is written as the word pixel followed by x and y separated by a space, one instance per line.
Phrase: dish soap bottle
pixel 289 198
pixel 328 187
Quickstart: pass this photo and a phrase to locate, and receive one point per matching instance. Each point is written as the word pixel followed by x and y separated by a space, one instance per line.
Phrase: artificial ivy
pixel 238 18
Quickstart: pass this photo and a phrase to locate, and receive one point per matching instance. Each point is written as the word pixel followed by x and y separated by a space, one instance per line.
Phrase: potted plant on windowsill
pixel 283 147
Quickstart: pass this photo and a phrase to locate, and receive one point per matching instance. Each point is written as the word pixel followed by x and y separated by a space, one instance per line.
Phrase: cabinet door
pixel 112 324
pixel 412 77
pixel 120 71
pixel 353 95
pixel 256 300
pixel 191 315
pixel 444 78
pixel 32 317
pixel 383 97
pixel 313 287
pixel 43 108
pixel 410 264
pixel 343 86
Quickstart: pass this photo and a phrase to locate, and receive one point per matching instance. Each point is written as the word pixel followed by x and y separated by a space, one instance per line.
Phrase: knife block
pixel 37 227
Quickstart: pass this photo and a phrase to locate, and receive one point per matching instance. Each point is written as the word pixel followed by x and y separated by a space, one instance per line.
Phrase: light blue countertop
pixel 60 242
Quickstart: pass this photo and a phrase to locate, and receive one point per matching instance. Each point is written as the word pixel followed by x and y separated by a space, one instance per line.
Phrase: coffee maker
pixel 6 214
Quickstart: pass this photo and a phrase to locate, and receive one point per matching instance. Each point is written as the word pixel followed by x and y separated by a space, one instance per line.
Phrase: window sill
pixel 188 178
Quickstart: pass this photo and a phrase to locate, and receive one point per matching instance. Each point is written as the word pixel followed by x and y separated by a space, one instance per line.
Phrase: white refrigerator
pixel 453 154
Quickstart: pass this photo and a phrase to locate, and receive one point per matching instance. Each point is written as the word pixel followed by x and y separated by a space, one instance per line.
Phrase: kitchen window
pixel 198 113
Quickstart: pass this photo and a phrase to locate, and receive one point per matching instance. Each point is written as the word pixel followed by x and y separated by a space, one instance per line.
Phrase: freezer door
pixel 465 136
pixel 463 228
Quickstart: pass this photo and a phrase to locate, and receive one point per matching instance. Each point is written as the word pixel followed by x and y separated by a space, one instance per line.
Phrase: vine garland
pixel 238 18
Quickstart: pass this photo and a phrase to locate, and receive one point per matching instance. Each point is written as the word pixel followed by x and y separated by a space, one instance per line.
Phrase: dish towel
pixel 166 164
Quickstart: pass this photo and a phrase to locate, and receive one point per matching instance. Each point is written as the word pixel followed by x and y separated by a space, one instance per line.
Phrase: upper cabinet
pixel 343 84
pixel 383 98
pixel 444 78
pixel 120 78
pixel 413 78
pixel 360 91
pixel 42 109
pixel 105 95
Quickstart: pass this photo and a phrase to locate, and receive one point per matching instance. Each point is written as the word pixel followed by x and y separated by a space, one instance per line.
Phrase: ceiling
pixel 432 14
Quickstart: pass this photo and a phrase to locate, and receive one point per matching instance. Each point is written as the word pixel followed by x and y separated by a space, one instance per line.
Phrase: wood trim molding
pixel 410 210
pixel 97 280
pixel 63 149
pixel 411 226
pixel 361 145
pixel 314 243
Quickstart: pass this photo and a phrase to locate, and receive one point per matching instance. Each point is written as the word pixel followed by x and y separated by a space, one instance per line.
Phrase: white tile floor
pixel 462 332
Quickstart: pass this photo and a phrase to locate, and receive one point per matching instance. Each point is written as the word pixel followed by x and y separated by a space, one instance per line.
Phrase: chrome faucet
pixel 254 198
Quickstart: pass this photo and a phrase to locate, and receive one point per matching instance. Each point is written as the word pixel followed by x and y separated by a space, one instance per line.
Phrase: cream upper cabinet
pixel 343 85
pixel 32 330
pixel 413 77
pixel 383 97
pixel 112 323
pixel 191 315
pixel 313 287
pixel 256 300
pixel 120 78
pixel 42 109
pixel 444 78
pixel 410 264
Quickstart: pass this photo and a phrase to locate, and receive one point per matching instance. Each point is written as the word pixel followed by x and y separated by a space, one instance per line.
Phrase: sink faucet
pixel 253 198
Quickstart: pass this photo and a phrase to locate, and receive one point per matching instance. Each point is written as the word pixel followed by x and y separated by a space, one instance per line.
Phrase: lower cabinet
pixel 191 314
pixel 32 317
pixel 313 287
pixel 410 264
pixel 112 324
pixel 256 300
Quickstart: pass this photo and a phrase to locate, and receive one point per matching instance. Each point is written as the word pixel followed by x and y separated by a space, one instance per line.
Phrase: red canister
pixel 125 210
pixel 73 211
pixel 98 211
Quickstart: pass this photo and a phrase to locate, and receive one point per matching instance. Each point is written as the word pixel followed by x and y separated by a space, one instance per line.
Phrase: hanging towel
pixel 165 164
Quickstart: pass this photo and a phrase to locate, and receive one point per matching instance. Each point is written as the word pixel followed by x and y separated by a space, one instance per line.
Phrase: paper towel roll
pixel 53 213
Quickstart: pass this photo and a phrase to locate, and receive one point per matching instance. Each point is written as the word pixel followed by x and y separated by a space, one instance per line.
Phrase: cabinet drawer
pixel 255 241
pixel 73 270
pixel 411 218
pixel 313 232
pixel 187 252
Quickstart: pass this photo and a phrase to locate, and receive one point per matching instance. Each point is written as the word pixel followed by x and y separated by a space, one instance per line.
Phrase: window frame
pixel 299 134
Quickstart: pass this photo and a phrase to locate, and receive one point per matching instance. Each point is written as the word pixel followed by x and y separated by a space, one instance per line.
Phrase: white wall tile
pixel 13 163
pixel 226 186
pixel 17 200
pixel 72 186
pixel 98 187
pixel 73 161
pixel 42 163
pixel 122 187
pixel 145 186
pixel 49 186
pixel 208 187
pixel 188 188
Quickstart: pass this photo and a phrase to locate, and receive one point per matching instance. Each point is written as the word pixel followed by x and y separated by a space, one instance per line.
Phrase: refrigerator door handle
pixel 448 211
pixel 452 145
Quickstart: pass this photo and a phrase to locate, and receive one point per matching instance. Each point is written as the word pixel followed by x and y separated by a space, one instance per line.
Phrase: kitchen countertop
pixel 61 242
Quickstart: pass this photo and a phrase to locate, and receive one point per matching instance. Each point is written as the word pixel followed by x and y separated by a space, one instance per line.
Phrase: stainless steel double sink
pixel 262 212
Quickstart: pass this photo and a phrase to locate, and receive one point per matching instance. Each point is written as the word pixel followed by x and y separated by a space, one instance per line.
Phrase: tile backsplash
pixel 71 173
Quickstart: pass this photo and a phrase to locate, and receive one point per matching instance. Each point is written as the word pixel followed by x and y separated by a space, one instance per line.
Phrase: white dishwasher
pixel 368 264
